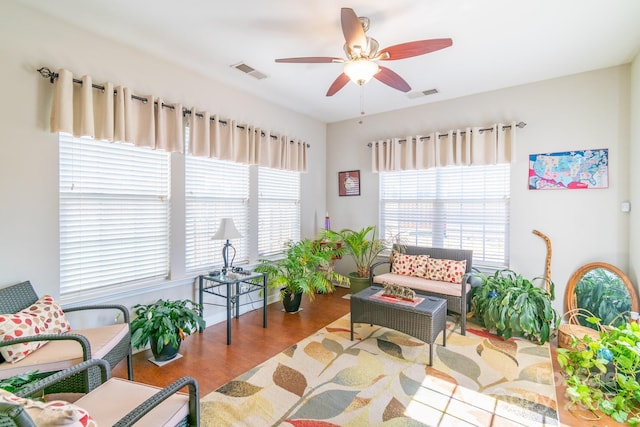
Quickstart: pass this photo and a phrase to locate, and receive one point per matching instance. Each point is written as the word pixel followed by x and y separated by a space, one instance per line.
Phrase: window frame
pixel 286 196
pixel 128 185
pixel 219 201
pixel 436 206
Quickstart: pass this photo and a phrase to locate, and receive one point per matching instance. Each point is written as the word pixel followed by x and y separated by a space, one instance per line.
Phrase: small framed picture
pixel 349 183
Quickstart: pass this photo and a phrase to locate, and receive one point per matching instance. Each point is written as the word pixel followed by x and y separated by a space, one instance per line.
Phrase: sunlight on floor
pixel 448 404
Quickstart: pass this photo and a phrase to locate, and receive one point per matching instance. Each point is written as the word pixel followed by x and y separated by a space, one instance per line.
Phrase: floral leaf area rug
pixel 382 378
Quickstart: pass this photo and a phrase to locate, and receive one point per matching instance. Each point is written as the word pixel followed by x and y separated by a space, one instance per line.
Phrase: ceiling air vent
pixel 249 70
pixel 423 93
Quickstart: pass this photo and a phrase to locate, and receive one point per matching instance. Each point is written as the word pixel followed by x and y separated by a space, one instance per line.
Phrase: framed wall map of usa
pixel 569 170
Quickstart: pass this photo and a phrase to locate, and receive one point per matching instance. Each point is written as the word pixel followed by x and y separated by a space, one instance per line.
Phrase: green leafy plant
pixel 603 294
pixel 362 245
pixel 514 306
pixel 305 268
pixel 602 374
pixel 166 321
pixel 16 382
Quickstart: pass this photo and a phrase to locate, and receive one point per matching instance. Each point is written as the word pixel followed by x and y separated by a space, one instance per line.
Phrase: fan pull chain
pixel 361 103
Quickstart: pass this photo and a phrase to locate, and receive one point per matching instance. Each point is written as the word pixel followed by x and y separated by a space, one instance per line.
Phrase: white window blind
pixel 459 207
pixel 214 190
pixel 278 210
pixel 114 214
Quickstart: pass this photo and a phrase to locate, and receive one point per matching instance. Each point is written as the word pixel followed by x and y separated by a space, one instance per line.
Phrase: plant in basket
pixel 602 373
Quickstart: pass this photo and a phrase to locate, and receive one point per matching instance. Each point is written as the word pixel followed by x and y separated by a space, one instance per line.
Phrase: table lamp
pixel 227 230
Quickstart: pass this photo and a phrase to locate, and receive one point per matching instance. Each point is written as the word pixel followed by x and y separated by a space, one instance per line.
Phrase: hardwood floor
pixel 207 357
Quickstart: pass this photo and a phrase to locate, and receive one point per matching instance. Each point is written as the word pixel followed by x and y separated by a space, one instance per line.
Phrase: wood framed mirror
pixel 603 290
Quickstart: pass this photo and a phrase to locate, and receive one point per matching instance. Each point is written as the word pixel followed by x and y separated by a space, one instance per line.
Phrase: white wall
pixel 589 110
pixel 634 174
pixel 29 153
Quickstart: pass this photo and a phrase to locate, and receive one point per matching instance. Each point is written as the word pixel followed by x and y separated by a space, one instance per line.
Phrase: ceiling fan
pixel 362 52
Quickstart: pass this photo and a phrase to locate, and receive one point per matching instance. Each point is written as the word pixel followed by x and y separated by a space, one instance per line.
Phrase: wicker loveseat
pixel 457 295
pixel 63 350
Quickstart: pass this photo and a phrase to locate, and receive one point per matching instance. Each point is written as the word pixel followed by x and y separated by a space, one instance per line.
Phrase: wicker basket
pixel 568 331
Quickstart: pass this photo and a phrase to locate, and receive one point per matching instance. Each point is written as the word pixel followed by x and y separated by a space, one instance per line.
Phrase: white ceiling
pixel 496 43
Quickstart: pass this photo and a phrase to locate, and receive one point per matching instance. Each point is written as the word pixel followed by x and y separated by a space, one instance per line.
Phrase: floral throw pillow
pixel 446 270
pixel 47 308
pixel 54 413
pixel 43 317
pixel 408 265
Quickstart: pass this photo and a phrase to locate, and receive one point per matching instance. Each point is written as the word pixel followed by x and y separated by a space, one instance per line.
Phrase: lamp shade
pixel 227 230
pixel 361 70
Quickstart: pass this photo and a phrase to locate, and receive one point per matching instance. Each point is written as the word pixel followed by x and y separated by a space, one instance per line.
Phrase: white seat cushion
pixel 58 355
pixel 420 284
pixel 117 397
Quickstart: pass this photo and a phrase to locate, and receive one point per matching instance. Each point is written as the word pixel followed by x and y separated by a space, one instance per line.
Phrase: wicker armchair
pixel 116 401
pixel 111 343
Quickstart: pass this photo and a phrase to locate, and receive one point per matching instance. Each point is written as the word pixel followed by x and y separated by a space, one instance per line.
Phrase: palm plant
pixel 362 245
pixel 304 269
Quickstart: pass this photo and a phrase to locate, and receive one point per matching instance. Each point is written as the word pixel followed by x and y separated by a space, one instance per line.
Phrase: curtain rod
pixel 52 76
pixel 422 138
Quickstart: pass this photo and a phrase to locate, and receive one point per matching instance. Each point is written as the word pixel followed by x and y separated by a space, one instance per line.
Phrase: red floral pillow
pixel 446 270
pixel 43 317
pixel 408 265
pixel 54 413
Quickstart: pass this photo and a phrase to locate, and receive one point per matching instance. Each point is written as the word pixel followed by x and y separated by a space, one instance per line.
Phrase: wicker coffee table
pixel 423 321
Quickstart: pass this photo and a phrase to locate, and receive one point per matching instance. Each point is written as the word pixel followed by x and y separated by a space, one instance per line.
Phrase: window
pixel 459 207
pixel 278 210
pixel 114 214
pixel 214 189
pixel 115 211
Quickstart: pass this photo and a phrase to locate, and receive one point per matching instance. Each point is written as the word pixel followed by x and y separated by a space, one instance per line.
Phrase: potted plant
pixel 305 269
pixel 602 373
pixel 513 306
pixel 164 324
pixel 364 247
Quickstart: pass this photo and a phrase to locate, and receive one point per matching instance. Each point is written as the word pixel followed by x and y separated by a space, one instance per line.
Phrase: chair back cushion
pixel 442 253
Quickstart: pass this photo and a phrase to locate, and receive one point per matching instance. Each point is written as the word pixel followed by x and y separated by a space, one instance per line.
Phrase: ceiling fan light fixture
pixel 360 71
pixel 361 52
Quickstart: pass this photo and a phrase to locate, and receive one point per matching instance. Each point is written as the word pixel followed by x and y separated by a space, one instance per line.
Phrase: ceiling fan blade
pixel 391 78
pixel 338 84
pixel 352 29
pixel 310 60
pixel 416 48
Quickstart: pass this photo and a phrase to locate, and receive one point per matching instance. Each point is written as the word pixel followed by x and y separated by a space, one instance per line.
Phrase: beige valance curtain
pixel 85 112
pixel 227 140
pixel 115 114
pixel 471 146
